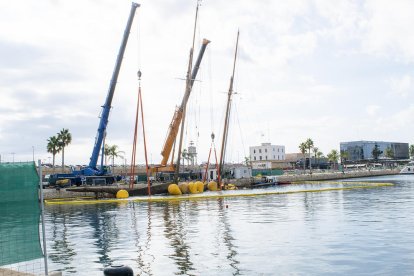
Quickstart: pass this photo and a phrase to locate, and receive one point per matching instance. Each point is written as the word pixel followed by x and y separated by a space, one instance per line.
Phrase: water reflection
pixel 142 250
pixel 62 248
pixel 105 231
pixel 342 232
pixel 76 230
pixel 226 235
pixel 175 232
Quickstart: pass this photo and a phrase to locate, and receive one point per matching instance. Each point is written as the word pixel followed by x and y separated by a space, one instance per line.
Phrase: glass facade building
pixel 362 150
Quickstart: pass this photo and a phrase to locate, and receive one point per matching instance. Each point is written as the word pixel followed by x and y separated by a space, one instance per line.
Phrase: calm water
pixel 347 232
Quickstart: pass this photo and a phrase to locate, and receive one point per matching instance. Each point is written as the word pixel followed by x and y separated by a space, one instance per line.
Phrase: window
pixel 278 157
pixel 254 151
pixel 260 150
pixel 260 157
pixel 255 158
pixel 266 157
pixel 274 156
pixel 278 150
pixel 265 150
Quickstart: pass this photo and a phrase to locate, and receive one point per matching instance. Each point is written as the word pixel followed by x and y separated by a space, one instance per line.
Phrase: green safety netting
pixel 19 213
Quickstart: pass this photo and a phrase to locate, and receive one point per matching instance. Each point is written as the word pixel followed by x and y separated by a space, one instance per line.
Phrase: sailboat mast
pixel 188 86
pixel 227 118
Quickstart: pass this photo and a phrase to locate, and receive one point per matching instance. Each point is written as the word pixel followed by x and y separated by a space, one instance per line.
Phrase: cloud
pixel 389 32
pixel 305 69
pixel 402 86
pixel 372 110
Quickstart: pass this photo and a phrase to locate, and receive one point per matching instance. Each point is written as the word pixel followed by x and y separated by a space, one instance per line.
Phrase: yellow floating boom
pixel 362 185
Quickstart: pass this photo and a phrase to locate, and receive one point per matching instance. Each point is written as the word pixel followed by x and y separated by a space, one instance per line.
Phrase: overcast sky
pixel 329 70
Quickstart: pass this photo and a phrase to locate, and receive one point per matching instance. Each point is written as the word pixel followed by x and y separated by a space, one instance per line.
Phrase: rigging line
pixel 240 130
pixel 210 81
pixel 228 131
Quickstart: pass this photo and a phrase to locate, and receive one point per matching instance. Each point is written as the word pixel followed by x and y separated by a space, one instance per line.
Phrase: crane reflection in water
pixel 175 220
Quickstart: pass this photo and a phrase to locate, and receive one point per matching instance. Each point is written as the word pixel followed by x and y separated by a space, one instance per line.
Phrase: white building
pixel 267 152
pixel 236 172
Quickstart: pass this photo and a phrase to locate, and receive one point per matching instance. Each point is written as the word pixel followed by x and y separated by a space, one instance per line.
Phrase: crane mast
pixel 178 114
pixel 107 106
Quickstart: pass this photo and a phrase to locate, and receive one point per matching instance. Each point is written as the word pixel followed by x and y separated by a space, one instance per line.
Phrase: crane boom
pixel 107 106
pixel 91 174
pixel 178 114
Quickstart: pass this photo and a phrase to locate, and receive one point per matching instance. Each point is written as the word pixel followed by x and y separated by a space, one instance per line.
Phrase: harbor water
pixel 355 231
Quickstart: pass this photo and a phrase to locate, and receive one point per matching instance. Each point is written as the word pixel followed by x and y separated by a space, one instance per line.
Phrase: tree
pixel 315 151
pixel 302 148
pixel 53 147
pixel 309 145
pixel 389 153
pixel 65 138
pixel 344 156
pixel 412 151
pixel 317 155
pixel 112 152
pixel 376 152
pixel 333 157
pixel 106 153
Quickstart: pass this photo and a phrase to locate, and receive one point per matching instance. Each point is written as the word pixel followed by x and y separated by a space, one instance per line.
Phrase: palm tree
pixel 333 157
pixel 112 152
pixel 106 153
pixel 309 146
pixel 316 153
pixel 53 147
pixel 318 156
pixel 65 138
pixel 302 148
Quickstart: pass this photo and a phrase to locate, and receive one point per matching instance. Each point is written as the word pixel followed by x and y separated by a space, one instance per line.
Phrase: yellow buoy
pixel 183 188
pixel 231 187
pixel 63 182
pixel 122 194
pixel 173 189
pixel 212 186
pixel 193 188
pixel 200 186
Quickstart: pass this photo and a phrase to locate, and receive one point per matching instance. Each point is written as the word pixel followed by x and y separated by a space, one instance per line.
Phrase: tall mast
pixel 226 121
pixel 188 86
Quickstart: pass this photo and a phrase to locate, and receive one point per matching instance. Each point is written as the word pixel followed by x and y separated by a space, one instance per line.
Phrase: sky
pixel 332 71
